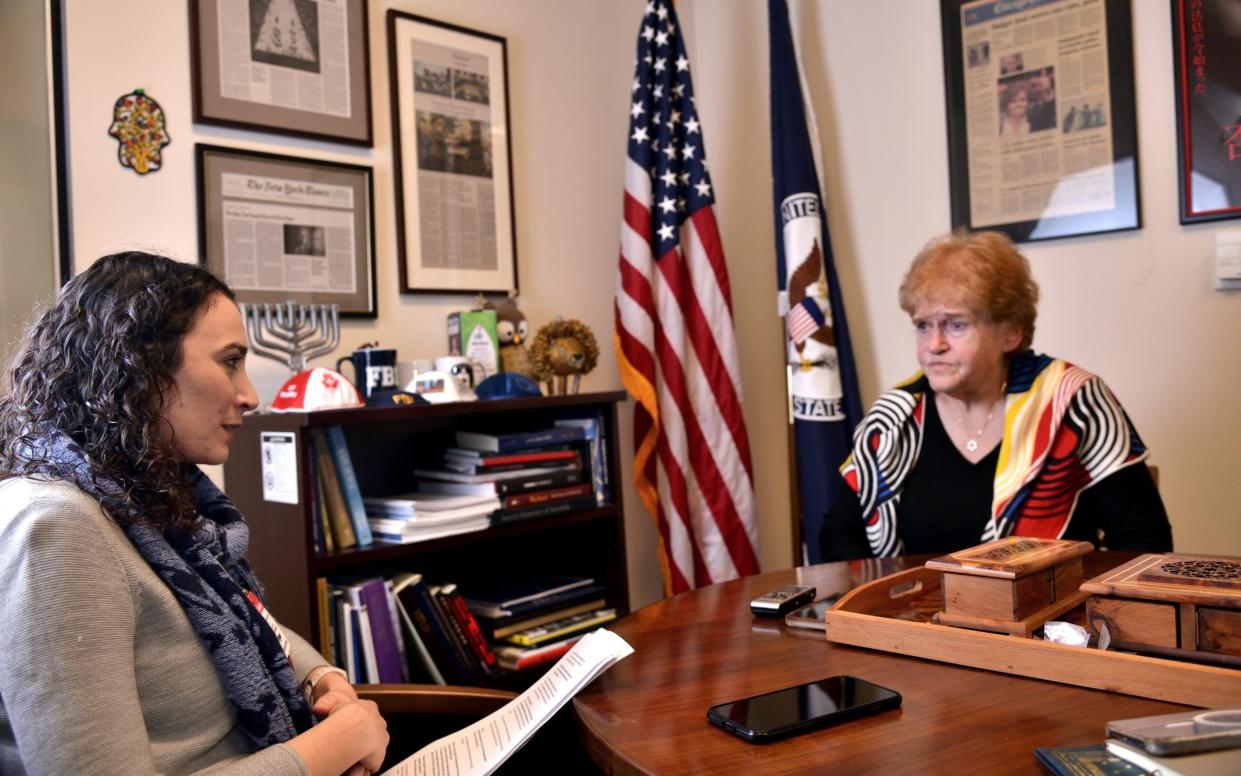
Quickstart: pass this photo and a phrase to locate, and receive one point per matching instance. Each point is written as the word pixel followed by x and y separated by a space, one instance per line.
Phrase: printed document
pixel 482 747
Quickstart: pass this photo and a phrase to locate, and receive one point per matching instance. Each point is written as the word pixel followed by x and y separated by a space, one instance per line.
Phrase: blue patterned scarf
pixel 208 574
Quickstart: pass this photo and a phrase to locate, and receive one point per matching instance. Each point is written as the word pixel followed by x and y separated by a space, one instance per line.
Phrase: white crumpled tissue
pixel 1066 633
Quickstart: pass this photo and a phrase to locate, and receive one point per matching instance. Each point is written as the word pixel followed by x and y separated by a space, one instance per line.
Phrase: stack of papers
pixel 483 747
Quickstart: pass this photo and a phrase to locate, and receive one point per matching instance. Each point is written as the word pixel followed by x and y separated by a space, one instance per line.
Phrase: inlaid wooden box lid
pixel 1011 557
pixel 1206 580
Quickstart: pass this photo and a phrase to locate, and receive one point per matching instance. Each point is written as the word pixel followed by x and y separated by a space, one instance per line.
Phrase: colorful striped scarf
pixel 1063 431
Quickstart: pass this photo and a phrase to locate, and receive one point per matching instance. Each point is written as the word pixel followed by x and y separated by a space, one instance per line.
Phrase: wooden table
pixel 647 714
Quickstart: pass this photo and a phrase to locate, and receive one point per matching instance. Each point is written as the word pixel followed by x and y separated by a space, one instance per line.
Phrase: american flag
pixel 674 329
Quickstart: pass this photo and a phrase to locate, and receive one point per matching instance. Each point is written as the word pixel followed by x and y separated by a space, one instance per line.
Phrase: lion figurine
pixel 562 348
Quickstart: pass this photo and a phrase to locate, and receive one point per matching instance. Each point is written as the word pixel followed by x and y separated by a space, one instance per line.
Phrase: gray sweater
pixel 100 670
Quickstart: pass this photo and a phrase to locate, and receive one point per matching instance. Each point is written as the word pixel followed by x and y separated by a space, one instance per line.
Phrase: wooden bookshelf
pixel 386 445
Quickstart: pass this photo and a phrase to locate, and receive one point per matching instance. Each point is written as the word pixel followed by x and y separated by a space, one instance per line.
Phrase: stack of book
pixel 401 630
pixel 533 474
pixel 360 631
pixel 339 515
pixel 535 621
pixel 418 516
pixel 405 629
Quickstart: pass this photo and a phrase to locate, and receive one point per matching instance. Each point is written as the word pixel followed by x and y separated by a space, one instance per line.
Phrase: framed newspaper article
pixel 295 67
pixel 1206 36
pixel 1042 138
pixel 279 228
pixel 456 231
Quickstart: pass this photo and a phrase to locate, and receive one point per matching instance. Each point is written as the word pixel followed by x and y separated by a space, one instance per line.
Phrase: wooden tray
pixel 894 614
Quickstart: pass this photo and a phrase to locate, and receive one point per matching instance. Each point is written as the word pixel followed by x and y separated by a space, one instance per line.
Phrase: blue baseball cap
pixel 507 385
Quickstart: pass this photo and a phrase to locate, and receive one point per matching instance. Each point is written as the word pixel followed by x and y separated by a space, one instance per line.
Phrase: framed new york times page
pixel 1041 129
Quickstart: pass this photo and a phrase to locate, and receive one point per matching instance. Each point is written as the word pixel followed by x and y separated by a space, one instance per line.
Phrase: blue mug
pixel 374 370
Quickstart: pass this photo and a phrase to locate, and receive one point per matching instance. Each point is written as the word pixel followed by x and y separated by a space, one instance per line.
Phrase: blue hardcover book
pixel 592 429
pixel 521 440
pixel 349 484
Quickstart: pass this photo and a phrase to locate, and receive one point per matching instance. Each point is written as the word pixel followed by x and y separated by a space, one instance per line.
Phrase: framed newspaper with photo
pixel 1042 139
pixel 456 230
pixel 297 67
pixel 279 228
pixel 1206 37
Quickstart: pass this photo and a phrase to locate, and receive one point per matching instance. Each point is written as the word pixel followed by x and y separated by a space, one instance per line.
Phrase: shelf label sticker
pixel 279 458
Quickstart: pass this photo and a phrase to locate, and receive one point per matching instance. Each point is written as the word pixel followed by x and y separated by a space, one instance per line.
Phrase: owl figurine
pixel 511 331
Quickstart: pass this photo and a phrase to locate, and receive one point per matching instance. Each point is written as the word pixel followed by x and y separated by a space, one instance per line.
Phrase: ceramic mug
pixel 374 369
pixel 466 370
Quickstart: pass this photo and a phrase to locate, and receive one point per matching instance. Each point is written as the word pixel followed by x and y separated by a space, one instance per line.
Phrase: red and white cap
pixel 317 389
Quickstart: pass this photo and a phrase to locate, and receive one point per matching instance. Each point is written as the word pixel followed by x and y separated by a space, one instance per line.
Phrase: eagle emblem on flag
pixel 806 319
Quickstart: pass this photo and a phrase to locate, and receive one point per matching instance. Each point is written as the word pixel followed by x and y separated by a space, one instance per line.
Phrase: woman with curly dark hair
pixel 133 636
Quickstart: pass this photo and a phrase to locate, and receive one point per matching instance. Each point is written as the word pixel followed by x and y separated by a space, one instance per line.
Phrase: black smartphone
pixel 779 714
pixel 781 601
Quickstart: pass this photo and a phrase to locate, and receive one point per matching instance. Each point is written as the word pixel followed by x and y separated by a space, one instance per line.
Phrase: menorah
pixel 291 332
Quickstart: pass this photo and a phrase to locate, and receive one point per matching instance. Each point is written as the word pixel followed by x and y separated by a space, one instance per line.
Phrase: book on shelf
pixel 347 648
pixel 540 479
pixel 559 629
pixel 333 497
pixel 440 507
pixel 462 652
pixel 324 542
pixel 509 474
pixel 461 459
pixel 466 629
pixel 397 531
pixel 513 658
pixel 521 717
pixel 316 524
pixel 546 496
pixel 1222 762
pixel 593 431
pixel 369 671
pixel 421 664
pixel 323 601
pixel 521 440
pixel 343 466
pixel 384 635
pixel 511 595
pixel 496 617
pixel 499 628
pixel 545 509
pixel 414 595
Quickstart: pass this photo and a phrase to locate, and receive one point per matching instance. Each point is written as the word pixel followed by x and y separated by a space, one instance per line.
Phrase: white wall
pixel 1135 307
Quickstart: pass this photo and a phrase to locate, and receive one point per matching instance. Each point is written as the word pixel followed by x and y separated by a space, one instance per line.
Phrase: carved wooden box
pixel 1172 604
pixel 1010 585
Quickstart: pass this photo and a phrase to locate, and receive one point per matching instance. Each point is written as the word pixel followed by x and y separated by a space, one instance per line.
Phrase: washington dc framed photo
pixel 456 231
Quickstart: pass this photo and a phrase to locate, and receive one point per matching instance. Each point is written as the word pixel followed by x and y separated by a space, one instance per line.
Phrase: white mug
pixel 408 370
pixel 466 370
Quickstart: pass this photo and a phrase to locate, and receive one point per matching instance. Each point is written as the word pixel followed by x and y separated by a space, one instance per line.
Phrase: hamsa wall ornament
pixel 138 126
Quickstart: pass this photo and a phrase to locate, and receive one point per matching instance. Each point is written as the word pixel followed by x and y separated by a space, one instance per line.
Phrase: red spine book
pixel 544 496
pixel 473 634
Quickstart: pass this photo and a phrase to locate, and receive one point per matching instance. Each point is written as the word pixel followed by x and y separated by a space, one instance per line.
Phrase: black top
pixel 946 503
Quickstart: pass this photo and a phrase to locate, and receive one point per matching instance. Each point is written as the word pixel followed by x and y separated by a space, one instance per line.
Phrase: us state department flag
pixel 823 381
